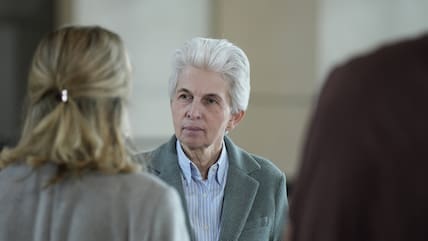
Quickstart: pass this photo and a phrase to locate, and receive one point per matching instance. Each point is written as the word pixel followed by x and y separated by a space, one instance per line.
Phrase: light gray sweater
pixel 93 207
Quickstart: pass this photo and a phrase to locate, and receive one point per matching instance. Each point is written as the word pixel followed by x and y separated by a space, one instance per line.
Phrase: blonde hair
pixel 83 132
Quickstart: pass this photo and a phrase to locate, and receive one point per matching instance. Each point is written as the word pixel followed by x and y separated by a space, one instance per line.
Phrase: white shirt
pixel 204 198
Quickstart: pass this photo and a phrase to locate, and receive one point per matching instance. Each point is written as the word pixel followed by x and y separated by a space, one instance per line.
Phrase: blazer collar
pixel 239 158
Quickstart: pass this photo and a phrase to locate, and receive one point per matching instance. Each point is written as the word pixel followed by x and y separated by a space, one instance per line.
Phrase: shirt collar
pixel 186 165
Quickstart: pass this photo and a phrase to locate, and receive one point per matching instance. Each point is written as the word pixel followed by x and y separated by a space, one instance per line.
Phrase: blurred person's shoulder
pixel 397 52
pixel 137 182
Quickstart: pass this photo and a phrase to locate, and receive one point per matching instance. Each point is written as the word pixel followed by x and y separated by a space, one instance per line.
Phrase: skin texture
pixel 201 115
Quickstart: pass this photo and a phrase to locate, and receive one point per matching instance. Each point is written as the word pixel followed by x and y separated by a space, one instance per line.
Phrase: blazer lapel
pixel 239 193
pixel 172 176
pixel 163 163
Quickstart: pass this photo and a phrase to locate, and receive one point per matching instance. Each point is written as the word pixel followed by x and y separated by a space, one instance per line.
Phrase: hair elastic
pixel 64 95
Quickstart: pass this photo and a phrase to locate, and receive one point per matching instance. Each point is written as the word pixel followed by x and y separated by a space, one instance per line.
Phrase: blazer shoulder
pixel 255 165
pixel 267 166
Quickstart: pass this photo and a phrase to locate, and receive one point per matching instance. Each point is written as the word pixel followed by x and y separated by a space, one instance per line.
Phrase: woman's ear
pixel 235 119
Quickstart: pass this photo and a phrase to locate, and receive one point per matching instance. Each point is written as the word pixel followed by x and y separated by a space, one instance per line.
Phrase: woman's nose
pixel 194 111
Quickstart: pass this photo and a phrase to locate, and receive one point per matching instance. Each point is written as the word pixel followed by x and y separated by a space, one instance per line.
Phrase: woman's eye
pixel 184 96
pixel 211 101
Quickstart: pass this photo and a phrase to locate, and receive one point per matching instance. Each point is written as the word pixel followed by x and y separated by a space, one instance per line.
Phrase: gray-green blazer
pixel 255 198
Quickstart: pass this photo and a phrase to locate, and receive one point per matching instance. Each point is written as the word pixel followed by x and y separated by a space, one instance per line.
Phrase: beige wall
pixel 349 28
pixel 279 38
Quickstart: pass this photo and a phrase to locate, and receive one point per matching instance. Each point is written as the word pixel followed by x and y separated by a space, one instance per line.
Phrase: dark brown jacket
pixel 364 172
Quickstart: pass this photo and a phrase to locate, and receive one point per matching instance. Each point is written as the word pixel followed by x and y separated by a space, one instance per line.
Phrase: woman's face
pixel 201 109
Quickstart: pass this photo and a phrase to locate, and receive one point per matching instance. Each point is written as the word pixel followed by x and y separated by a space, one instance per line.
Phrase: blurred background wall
pixel 22 23
pixel 291 45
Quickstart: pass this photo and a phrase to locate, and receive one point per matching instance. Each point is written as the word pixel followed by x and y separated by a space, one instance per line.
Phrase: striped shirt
pixel 204 198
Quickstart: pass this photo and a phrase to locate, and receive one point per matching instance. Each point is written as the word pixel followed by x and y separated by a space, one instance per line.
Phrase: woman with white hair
pixel 230 194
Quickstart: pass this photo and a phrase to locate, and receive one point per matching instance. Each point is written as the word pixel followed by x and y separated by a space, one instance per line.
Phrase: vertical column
pixel 279 38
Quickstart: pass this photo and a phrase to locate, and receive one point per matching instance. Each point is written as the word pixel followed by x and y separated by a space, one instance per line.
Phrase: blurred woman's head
pixel 78 85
